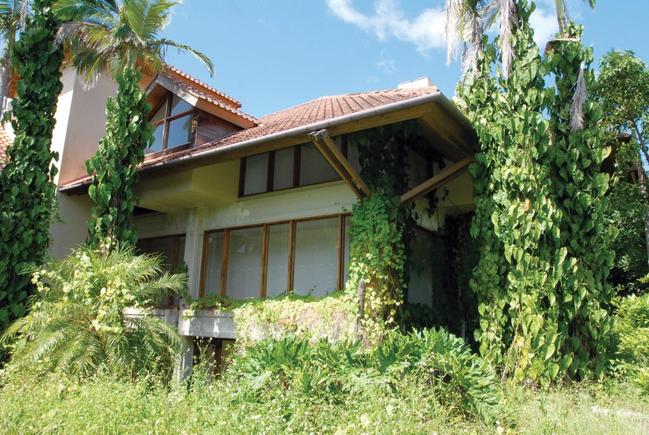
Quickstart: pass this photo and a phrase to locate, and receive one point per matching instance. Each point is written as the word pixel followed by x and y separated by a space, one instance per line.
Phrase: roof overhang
pixel 203 102
pixel 450 132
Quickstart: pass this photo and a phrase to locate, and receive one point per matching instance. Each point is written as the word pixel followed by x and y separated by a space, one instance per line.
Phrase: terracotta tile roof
pixel 172 71
pixel 200 93
pixel 321 109
pixel 5 142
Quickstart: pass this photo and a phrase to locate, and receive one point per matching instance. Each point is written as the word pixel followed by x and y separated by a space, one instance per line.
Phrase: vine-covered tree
pixel 622 90
pixel 27 192
pixel 579 189
pixel 119 38
pixel 515 215
pixel 544 258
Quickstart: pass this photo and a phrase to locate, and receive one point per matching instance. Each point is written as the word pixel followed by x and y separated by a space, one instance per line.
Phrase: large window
pixel 172 122
pixel 300 165
pixel 307 257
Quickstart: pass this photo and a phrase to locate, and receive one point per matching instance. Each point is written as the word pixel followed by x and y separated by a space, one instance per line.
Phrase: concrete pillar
pixel 194 250
pixel 183 369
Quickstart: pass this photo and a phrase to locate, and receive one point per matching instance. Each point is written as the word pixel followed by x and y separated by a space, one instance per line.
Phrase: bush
pixel 76 322
pixel 432 360
pixel 332 318
pixel 632 332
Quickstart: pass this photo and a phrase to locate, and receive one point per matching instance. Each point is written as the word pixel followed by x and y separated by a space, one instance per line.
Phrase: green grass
pixel 106 405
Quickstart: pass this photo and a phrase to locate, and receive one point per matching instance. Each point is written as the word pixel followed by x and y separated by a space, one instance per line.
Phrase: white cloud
pixel 426 30
pixel 544 23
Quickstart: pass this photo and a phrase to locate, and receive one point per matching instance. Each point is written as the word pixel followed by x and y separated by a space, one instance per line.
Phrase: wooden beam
pixel 339 163
pixel 448 174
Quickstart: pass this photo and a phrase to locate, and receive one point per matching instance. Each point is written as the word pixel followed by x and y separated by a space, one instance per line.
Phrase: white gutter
pixel 436 96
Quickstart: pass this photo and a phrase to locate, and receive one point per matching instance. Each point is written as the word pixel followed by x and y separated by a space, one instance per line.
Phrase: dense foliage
pixel 622 90
pixel 539 191
pixel 332 318
pixel 27 191
pixel 113 167
pixel 328 373
pixel 377 260
pixel 515 216
pixel 77 324
pixel 632 333
pixel 579 187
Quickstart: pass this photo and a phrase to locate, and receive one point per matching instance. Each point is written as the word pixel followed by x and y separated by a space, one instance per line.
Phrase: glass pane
pixel 256 176
pixel 313 167
pixel 420 288
pixel 158 134
pixel 178 106
pixel 179 131
pixel 316 257
pixel 165 248
pixel 213 264
pixel 283 176
pixel 161 113
pixel 348 241
pixel 244 263
pixel 277 275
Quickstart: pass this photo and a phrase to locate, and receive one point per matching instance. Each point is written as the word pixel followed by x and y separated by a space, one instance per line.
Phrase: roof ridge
pixel 202 84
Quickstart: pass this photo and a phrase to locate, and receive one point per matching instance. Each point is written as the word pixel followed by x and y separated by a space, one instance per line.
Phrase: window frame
pixel 168 118
pixel 292 228
pixel 270 170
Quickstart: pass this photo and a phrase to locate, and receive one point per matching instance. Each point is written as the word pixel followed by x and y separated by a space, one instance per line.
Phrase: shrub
pixel 632 331
pixel 76 323
pixel 432 360
pixel 332 318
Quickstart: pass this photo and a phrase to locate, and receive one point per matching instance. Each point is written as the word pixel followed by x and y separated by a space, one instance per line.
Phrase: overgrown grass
pixel 107 405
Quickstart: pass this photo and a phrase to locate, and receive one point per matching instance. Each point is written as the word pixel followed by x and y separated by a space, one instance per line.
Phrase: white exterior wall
pixel 80 123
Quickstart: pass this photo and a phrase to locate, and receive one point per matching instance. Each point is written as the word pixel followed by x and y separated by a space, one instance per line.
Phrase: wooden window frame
pixel 270 168
pixel 292 224
pixel 167 100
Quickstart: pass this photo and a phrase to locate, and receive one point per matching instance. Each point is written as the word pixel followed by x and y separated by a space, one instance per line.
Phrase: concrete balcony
pixel 194 323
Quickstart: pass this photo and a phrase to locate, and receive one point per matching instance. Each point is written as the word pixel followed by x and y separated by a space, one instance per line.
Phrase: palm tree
pixel 466 21
pixel 109 35
pixel 562 13
pixel 77 325
pixel 13 14
pixel 119 37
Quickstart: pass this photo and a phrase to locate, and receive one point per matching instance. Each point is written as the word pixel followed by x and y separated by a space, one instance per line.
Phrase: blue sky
pixel 272 54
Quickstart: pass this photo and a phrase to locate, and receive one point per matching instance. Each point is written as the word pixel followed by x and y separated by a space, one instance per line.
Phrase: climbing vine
pixel 128 133
pixel 381 226
pixel 515 216
pixel 579 189
pixel 27 191
pixel 539 193
pixel 378 261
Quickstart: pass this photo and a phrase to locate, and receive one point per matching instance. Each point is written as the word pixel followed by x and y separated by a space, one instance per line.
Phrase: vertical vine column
pixel 579 187
pixel 27 191
pixel 515 219
pixel 114 166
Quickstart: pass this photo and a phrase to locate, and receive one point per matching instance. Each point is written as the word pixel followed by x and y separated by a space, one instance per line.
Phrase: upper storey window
pixel 172 121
